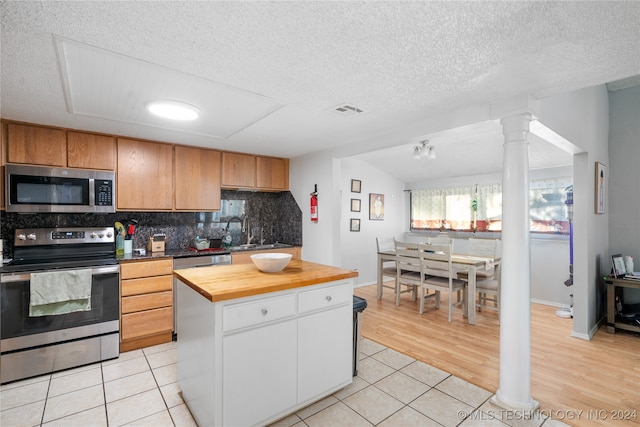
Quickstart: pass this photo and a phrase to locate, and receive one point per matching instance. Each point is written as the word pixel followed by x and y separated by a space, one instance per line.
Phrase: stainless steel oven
pixel 35 343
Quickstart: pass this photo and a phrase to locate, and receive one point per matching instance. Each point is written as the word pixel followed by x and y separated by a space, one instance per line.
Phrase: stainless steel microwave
pixel 58 190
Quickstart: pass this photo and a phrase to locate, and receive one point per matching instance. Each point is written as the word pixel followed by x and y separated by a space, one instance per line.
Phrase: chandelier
pixel 424 150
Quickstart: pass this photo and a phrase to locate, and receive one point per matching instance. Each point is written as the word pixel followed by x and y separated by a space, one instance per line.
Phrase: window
pixel 479 207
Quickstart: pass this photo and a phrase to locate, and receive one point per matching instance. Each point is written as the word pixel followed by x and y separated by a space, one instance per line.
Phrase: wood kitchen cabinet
pixel 272 173
pixel 255 172
pixel 238 170
pixel 145 175
pixel 197 179
pixel 91 151
pixel 146 289
pixel 36 145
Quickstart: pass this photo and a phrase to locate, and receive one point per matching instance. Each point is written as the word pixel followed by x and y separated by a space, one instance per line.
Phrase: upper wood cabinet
pixel 238 170
pixel 272 173
pixel 144 175
pixel 248 171
pixel 36 145
pixel 90 151
pixel 197 179
pixel 44 146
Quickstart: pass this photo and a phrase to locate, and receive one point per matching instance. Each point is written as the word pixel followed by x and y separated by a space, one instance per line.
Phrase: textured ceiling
pixel 401 62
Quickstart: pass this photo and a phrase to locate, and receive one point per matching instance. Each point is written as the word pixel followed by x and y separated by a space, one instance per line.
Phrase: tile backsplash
pixel 271 217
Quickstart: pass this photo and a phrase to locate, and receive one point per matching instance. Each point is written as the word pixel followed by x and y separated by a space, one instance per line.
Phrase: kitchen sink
pixel 257 247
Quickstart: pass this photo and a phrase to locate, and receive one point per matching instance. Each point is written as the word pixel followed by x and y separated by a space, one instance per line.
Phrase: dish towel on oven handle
pixel 60 292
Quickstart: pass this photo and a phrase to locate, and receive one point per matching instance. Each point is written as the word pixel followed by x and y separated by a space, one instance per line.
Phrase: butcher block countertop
pixel 225 282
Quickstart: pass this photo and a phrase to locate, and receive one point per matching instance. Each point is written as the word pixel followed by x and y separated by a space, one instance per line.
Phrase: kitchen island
pixel 254 347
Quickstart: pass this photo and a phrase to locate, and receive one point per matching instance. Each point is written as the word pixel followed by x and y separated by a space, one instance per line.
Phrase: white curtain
pixel 489 202
pixel 453 207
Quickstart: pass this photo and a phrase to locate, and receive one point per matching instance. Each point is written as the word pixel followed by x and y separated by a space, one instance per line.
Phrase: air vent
pixel 347 110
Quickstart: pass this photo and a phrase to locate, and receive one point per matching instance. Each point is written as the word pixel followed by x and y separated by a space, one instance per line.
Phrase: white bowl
pixel 271 262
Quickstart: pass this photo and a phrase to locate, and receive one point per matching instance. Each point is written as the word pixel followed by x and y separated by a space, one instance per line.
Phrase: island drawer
pixel 253 313
pixel 325 297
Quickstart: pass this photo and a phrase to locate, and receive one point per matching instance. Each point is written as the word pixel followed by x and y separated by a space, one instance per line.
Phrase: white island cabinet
pixel 249 357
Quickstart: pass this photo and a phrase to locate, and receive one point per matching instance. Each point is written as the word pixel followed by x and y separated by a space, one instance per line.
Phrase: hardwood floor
pixel 582 383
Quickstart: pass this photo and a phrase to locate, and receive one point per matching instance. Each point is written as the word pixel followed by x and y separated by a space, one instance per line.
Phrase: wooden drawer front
pixel 146 285
pixel 147 302
pixel 325 298
pixel 256 312
pixel 132 270
pixel 147 322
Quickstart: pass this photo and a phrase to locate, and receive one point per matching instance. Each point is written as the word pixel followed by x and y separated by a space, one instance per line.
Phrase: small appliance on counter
pixel 201 244
pixel 156 243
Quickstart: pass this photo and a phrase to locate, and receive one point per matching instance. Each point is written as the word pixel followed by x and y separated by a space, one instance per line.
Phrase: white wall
pixel 582 117
pixel 624 178
pixel 320 240
pixel 358 249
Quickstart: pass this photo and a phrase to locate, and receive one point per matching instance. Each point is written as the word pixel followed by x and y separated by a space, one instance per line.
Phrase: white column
pixel 515 311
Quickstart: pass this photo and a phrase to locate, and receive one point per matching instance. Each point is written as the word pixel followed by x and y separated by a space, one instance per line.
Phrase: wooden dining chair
pixel 440 240
pixel 408 269
pixel 436 273
pixel 384 244
pixel 487 281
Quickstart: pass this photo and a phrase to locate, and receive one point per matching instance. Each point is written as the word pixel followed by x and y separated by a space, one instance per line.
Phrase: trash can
pixel 359 304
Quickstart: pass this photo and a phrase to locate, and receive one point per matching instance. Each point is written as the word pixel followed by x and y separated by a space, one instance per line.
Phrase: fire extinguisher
pixel 314 204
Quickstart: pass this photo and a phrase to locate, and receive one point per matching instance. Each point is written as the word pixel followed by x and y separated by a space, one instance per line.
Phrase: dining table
pixel 469 262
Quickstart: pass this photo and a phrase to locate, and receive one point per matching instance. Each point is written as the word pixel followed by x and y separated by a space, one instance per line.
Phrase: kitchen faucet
pixel 237 218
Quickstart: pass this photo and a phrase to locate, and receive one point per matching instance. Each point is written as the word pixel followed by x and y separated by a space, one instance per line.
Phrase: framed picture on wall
pixel 355 205
pixel 376 206
pixel 601 188
pixel 355 224
pixel 356 184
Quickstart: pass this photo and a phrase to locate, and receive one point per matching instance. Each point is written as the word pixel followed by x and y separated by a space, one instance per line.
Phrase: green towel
pixel 60 292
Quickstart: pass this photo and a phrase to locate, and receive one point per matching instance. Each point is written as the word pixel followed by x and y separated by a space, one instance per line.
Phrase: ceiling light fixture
pixel 424 151
pixel 175 110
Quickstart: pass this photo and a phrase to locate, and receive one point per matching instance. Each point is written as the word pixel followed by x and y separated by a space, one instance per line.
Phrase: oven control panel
pixel 62 236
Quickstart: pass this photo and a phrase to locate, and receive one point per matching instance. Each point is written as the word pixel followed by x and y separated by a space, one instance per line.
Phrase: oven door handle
pixel 25 277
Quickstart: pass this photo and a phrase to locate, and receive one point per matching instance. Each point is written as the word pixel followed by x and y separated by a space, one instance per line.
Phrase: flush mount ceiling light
pixel 174 110
pixel 424 151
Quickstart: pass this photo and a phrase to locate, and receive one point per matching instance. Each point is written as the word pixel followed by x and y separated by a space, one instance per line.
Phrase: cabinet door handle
pixel 264 311
pixel 329 298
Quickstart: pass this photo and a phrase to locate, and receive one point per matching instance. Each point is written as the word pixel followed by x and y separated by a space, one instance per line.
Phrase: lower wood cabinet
pixel 146 306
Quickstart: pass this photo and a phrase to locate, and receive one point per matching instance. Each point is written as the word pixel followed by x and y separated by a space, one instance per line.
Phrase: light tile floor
pixel 140 389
